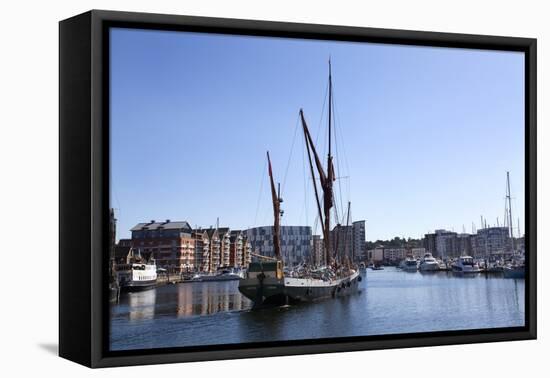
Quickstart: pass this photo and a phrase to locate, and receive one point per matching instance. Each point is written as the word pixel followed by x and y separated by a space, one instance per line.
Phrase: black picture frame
pixel 84 186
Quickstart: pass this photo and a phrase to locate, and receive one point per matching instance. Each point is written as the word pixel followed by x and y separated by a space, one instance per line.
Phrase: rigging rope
pixel 337 164
pixel 290 155
pixel 339 130
pixel 260 194
pixel 305 184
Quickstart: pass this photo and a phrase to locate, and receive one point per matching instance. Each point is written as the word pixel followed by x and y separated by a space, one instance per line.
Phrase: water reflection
pixel 390 301
pixel 184 300
pixel 141 304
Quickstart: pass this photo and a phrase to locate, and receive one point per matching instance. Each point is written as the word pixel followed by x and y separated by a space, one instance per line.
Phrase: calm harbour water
pixel 390 301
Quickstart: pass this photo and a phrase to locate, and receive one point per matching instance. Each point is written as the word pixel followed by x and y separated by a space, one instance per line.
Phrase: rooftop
pixel 166 225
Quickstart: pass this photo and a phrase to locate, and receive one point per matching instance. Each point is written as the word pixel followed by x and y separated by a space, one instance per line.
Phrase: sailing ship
pixel 266 282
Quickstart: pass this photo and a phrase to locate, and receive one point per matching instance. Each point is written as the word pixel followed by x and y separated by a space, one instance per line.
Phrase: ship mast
pixel 276 197
pixel 327 188
pixel 327 178
pixel 509 199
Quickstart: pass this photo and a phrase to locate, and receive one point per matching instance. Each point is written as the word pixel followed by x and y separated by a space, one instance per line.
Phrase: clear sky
pixel 424 135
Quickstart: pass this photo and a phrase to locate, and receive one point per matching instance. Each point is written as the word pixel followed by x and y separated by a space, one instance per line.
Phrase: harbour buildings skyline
pixel 488 242
pixel 178 247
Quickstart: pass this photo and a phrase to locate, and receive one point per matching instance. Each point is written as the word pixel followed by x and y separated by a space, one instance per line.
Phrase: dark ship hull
pixel 266 289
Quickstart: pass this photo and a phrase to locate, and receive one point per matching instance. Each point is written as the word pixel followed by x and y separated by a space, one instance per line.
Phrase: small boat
pixel 409 265
pixel 377 267
pixel 465 264
pixel 514 271
pixel 428 263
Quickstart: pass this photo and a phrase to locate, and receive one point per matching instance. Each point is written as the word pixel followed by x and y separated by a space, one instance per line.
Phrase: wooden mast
pixel 327 187
pixel 326 179
pixel 509 199
pixel 308 148
pixel 276 212
pixel 322 178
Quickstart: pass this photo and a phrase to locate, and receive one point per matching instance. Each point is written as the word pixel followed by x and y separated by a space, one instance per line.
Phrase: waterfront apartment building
pixel 394 255
pixel 359 240
pixel 375 255
pixel 417 253
pixel 171 244
pixel 318 251
pixel 225 246
pixel 429 243
pixel 341 240
pixel 296 243
pixel 446 244
pixel 202 250
pixel 464 244
pixel 236 249
pixel 213 262
pixel 492 243
pixel 349 241
pixel 247 251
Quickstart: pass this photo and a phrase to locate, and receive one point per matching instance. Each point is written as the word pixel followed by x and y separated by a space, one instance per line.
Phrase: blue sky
pixel 424 135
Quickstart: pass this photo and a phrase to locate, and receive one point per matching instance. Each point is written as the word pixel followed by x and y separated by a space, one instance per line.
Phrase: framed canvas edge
pixel 100 190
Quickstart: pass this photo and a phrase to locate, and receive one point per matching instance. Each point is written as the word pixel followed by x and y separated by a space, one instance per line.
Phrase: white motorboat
pixel 465 264
pixel 428 263
pixel 409 265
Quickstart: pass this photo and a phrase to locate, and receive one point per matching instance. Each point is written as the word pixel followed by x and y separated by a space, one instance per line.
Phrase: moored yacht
pixel 428 263
pixel 409 265
pixel 465 264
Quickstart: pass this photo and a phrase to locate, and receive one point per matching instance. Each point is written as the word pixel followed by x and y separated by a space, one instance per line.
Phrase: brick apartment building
pixel 171 243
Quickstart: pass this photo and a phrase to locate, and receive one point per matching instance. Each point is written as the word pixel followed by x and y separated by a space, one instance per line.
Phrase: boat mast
pixel 348 235
pixel 327 188
pixel 308 148
pixel 327 178
pixel 509 199
pixel 276 197
pixel 323 179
